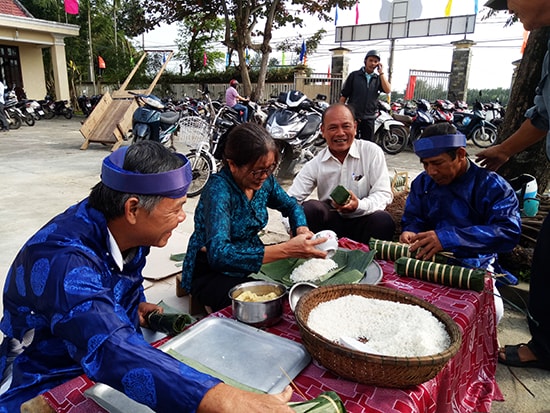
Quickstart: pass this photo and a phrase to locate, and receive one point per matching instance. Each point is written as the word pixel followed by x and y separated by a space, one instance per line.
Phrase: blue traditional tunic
pixel 227 223
pixel 475 217
pixel 66 287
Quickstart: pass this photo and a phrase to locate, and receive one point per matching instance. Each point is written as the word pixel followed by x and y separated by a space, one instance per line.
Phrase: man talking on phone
pixel 352 181
pixel 361 90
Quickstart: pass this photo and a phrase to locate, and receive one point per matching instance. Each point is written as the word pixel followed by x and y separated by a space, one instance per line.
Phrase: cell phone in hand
pixel 340 195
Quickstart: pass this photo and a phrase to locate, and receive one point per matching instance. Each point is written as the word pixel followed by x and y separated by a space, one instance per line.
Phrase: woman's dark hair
pixel 247 143
pixel 146 157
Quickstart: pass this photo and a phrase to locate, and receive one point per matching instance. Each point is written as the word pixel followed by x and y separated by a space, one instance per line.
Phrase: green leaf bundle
pixel 391 251
pixel 327 402
pixel 449 275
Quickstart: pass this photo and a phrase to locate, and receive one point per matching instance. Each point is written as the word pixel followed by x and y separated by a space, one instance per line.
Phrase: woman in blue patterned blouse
pixel 225 247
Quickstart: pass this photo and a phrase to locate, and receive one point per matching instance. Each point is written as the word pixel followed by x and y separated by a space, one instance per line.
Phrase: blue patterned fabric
pixel 227 224
pixel 475 217
pixel 66 286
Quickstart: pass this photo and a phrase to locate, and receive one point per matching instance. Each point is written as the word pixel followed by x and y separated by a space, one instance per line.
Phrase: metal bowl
pixel 262 313
pixel 297 291
pixel 258 314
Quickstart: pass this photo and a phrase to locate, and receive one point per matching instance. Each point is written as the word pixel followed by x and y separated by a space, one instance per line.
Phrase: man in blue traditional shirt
pixel 458 207
pixel 74 301
pixel 534 14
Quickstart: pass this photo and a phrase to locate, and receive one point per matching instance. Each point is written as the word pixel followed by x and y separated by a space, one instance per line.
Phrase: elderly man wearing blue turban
pixel 74 301
pixel 458 207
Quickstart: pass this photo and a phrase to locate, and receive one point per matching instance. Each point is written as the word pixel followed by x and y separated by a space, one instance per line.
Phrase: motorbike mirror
pixel 321 97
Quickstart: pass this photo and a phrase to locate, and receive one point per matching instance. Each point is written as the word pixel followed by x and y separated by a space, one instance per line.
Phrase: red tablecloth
pixel 465 385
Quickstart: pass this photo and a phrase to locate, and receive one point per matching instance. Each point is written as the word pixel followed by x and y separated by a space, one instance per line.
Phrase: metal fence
pixel 427 84
pixel 320 83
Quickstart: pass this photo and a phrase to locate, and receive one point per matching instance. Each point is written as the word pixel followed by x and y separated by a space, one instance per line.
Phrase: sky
pixel 496 48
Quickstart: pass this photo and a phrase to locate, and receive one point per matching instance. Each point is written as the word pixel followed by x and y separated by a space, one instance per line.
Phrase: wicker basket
pixel 193 130
pixel 384 371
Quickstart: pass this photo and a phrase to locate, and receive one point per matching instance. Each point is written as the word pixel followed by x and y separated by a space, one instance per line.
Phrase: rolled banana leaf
pixel 171 324
pixel 327 402
pixel 391 251
pixel 449 275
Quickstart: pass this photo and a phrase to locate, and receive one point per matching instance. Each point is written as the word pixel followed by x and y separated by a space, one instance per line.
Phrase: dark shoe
pixel 512 359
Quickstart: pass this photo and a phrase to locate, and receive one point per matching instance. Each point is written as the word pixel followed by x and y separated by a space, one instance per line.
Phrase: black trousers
pixel 539 292
pixel 320 216
pixel 3 121
pixel 211 287
pixel 365 129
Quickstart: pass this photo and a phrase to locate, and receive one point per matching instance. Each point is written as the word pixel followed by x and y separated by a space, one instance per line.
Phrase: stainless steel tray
pixel 243 353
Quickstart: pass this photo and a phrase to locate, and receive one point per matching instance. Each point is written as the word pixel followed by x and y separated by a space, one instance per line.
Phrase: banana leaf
pixel 327 402
pixel 449 275
pixel 352 265
pixel 391 251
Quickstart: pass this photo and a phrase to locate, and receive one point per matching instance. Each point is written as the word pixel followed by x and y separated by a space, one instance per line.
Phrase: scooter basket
pixel 193 130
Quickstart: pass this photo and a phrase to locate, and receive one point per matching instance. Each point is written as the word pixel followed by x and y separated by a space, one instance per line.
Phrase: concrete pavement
pixel 43 171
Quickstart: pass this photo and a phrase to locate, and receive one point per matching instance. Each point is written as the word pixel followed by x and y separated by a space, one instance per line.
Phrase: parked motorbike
pixel 14 115
pixel 151 122
pixel 473 124
pixel 389 133
pixel 88 103
pixel 442 111
pixel 56 108
pixel 417 123
pixel 295 125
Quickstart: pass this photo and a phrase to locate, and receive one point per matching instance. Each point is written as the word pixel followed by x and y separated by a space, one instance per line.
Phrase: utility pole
pixel 90 49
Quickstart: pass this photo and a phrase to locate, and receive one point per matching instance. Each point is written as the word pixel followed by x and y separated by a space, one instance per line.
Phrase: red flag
pixel 100 62
pixel 328 73
pixel 409 93
pixel 204 59
pixel 525 37
pixel 71 6
pixel 357 12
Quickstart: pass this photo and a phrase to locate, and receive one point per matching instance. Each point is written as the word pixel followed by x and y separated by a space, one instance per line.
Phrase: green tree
pixel 294 44
pixel 196 36
pixel 241 20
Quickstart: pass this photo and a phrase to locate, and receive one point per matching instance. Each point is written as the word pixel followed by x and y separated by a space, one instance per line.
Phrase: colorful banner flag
pixel 247 55
pixel 409 92
pixel 476 6
pixel 100 62
pixel 357 12
pixel 525 37
pixel 336 16
pixel 303 51
pixel 71 6
pixel 227 59
pixel 448 8
pixel 204 59
pixel 283 59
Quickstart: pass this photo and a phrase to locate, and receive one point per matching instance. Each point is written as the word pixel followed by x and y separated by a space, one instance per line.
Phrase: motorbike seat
pixel 407 120
pixel 169 117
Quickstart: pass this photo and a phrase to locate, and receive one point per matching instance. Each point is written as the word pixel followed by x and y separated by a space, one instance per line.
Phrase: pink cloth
pixel 465 385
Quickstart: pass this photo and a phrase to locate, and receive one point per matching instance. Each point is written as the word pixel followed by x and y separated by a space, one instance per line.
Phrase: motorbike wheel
pixel 202 168
pixel 16 122
pixel 484 140
pixel 68 113
pixel 394 140
pixel 29 120
pixel 48 113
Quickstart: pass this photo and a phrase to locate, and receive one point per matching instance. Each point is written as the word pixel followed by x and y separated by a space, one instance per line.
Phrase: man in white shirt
pixel 357 165
pixel 4 125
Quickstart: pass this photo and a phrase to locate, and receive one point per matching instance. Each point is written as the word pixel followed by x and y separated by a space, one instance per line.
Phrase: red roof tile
pixel 12 8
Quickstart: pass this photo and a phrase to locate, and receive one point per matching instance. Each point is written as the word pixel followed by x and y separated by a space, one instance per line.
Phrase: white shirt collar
pixel 115 251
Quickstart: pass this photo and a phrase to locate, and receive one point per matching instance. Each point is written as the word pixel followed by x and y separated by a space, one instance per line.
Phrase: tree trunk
pixel 533 160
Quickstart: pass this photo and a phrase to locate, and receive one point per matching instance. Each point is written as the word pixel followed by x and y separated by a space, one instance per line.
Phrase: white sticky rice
pixel 386 327
pixel 312 269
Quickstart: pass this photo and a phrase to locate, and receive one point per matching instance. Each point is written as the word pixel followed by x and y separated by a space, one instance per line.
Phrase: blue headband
pixel 436 145
pixel 170 184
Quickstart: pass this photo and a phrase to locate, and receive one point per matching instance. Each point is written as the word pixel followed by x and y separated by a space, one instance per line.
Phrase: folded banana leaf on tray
pixel 327 402
pixel 352 265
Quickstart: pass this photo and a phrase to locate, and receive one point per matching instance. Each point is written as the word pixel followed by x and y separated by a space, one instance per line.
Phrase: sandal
pixel 512 358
